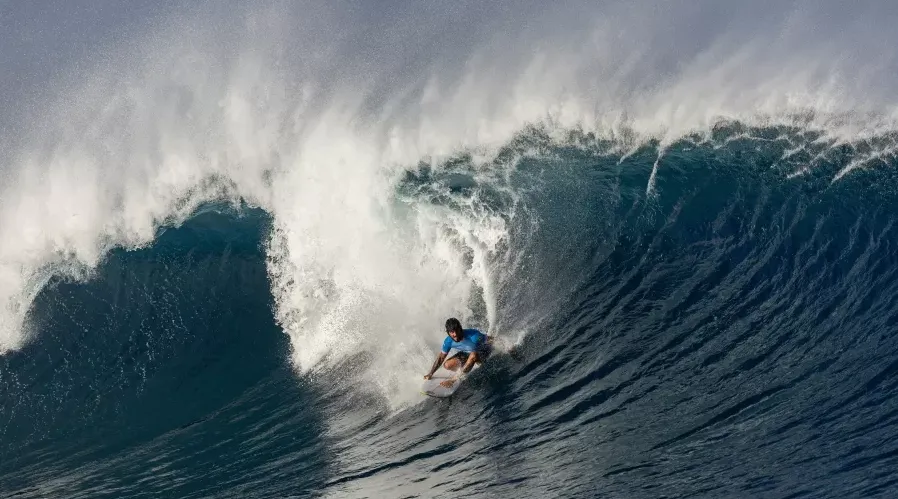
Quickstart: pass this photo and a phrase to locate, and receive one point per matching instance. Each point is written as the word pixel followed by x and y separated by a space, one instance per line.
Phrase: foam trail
pixel 313 113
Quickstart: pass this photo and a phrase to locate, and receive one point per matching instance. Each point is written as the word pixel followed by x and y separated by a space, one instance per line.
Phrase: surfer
pixel 471 347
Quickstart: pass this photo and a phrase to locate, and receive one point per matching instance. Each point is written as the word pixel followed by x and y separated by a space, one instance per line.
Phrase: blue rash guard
pixel 473 341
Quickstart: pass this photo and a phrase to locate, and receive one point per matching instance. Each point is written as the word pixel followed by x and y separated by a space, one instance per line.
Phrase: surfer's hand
pixel 428 376
pixel 448 382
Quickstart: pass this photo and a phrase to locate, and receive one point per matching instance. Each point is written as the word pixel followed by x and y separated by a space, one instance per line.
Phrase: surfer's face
pixel 454 335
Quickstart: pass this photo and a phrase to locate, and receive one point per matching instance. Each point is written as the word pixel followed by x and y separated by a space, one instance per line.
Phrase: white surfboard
pixel 432 387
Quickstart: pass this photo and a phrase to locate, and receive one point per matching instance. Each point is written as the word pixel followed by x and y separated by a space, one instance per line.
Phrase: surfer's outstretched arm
pixel 436 365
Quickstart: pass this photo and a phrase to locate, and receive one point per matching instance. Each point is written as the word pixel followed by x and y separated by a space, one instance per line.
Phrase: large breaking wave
pixel 681 217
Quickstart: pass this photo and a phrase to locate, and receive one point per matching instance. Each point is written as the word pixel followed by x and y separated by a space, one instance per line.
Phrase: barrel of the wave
pixel 471 348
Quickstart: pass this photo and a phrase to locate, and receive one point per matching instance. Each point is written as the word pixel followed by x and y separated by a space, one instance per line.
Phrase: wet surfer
pixel 472 347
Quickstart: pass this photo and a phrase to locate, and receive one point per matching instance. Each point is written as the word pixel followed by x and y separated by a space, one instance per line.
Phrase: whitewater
pixel 229 237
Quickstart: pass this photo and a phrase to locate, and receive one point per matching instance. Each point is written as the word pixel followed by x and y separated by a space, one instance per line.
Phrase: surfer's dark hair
pixel 452 324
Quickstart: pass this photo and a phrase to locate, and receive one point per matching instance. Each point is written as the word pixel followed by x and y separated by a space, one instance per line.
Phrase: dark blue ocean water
pixel 729 331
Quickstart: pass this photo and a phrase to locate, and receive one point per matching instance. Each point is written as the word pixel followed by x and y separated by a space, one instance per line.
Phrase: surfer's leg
pixel 456 362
